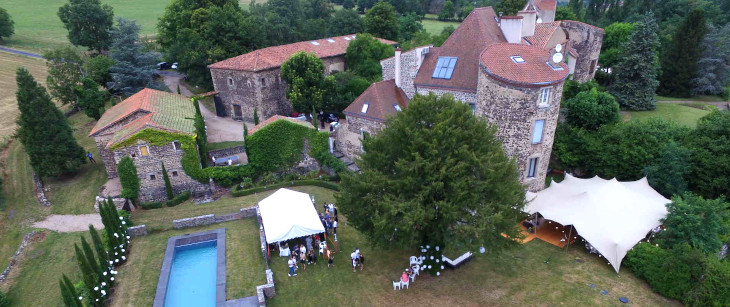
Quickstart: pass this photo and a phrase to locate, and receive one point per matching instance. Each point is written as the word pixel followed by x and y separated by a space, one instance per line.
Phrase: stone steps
pixel 348 162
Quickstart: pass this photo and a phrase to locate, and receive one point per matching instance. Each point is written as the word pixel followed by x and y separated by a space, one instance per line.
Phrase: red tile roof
pixel 278 117
pixel 381 97
pixel 273 57
pixel 543 33
pixel 546 5
pixel 497 62
pixel 476 32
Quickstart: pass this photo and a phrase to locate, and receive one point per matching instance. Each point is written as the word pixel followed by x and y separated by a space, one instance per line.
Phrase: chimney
pixel 512 28
pixel 529 19
pixel 397 66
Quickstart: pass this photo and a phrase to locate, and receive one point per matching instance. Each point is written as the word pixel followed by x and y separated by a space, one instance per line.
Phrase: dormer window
pixel 444 67
pixel 517 59
pixel 364 108
pixel 397 107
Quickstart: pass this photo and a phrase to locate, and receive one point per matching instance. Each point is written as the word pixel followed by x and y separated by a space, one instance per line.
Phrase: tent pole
pixel 570 235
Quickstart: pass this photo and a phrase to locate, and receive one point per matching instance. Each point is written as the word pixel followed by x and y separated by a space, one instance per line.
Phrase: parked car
pixel 163 65
pixel 174 65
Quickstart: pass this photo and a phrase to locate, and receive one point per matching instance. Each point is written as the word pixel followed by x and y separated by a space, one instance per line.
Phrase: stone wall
pixel 40 192
pixel 14 258
pixel 264 90
pixel 463 96
pixel 348 135
pixel 101 140
pixel 137 231
pixel 118 203
pixel 587 41
pixel 514 111
pixel 194 221
pixel 410 63
pixel 153 188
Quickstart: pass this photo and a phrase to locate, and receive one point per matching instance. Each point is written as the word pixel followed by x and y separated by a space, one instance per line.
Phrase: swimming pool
pixel 193 271
pixel 192 276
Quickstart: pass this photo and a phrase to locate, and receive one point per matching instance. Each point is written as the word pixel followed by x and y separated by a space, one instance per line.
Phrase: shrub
pixel 128 178
pixel 714 288
pixel 153 205
pixel 230 175
pixel 571 88
pixel 237 191
pixel 127 217
pixel 4 301
pixel 591 110
pixel 671 273
pixel 276 145
pixel 319 149
pixel 179 199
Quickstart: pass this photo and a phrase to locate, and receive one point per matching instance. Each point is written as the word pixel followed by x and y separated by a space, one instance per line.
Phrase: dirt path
pixel 70 223
pixel 720 104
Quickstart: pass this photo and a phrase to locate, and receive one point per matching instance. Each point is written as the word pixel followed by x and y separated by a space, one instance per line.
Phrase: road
pixel 25 53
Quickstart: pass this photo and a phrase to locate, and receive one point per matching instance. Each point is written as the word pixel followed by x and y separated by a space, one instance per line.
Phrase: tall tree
pixel 168 185
pixel 713 68
pixel 578 8
pixel 697 221
pixel 380 21
pixel 710 143
pixel 133 68
pixel 90 278
pixel 509 7
pixel 363 5
pixel 88 23
pixel 44 131
pixel 635 75
pixel 408 25
pixel 565 13
pixel 64 74
pixel 345 22
pixel 68 293
pixel 128 178
pixel 679 60
pixel 363 56
pixel 436 174
pixel 98 68
pixel 448 10
pixel 308 88
pixel 612 49
pixel 669 172
pixel 7 27
pixel 91 98
pixel 317 9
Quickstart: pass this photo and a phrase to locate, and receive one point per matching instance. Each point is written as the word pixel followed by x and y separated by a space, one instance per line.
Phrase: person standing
pixel 354 257
pixel 292 263
pixel 330 257
pixel 90 156
pixel 303 257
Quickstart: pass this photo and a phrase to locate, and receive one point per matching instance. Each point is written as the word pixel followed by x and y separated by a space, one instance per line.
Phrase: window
pixel 364 108
pixel 517 59
pixel 330 40
pixel 444 67
pixel 152 177
pixel 230 81
pixel 473 107
pixel 314 43
pixel 174 173
pixel 144 151
pixel 347 38
pixel 263 81
pixel 537 132
pixel 531 168
pixel 397 107
pixel 544 97
pixel 176 145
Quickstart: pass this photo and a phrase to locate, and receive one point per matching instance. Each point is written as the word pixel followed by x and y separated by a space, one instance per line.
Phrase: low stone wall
pixel 249 212
pixel 118 202
pixel 40 194
pixel 228 217
pixel 137 231
pixel 225 152
pixel 14 259
pixel 194 221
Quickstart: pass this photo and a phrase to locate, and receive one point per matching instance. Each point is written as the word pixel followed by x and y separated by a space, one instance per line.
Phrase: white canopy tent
pixel 288 214
pixel 612 216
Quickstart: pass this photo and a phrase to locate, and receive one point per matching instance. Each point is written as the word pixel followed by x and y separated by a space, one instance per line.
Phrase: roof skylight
pixel 347 38
pixel 555 66
pixel 330 40
pixel 517 59
pixel 397 107
pixel 364 108
pixel 314 43
pixel 444 67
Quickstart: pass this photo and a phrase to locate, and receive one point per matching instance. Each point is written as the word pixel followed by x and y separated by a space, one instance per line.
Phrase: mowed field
pixel 9 63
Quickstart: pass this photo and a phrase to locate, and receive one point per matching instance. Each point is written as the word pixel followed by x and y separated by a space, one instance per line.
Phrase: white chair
pixel 416 269
pixel 396 284
pixel 284 252
pixel 415 260
pixel 413 277
pixel 405 283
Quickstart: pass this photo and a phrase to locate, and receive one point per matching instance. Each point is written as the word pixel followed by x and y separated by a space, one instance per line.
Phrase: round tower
pixel 519 90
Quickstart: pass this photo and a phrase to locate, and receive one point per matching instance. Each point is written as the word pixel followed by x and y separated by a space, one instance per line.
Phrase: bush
pixel 571 88
pixel 128 178
pixel 179 199
pixel 276 145
pixel 714 288
pixel 237 191
pixel 230 175
pixel 153 205
pixel 4 301
pixel 319 149
pixel 726 93
pixel 671 273
pixel 591 110
pixel 127 216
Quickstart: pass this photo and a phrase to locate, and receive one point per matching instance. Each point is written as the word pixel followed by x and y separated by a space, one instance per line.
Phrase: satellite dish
pixel 557 57
pixel 558 48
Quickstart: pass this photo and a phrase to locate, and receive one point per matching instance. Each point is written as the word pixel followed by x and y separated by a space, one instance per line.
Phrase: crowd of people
pixel 305 254
pixel 329 219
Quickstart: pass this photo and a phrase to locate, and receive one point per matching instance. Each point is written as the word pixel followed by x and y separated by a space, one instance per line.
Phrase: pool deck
pixel 217 234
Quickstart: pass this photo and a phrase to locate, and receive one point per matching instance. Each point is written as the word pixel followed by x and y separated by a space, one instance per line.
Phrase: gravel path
pixel 70 223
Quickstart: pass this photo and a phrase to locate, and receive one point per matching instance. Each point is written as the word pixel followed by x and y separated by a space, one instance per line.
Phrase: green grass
pixel 245 268
pixel 9 63
pixel 38 28
pixel 697 98
pixel 683 115
pixel 435 26
pixel 223 145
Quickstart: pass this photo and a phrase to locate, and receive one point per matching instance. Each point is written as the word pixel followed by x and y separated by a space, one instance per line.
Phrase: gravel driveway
pixel 70 223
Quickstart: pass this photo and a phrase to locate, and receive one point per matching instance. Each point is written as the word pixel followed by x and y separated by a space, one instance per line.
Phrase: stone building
pixel 117 134
pixel 253 80
pixel 509 69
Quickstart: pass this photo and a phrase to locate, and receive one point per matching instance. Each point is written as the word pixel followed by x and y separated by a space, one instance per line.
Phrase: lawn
pixel 684 115
pixel 696 98
pixel 435 26
pixel 224 145
pixel 9 63
pixel 38 28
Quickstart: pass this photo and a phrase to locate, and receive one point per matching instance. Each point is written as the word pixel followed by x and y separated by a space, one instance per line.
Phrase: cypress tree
pixel 90 258
pixel 109 227
pixel 679 60
pixel 255 116
pixel 100 251
pixel 44 131
pixel 168 185
pixel 68 292
pixel 245 132
pixel 635 80
pixel 88 275
pixel 128 178
pixel 68 300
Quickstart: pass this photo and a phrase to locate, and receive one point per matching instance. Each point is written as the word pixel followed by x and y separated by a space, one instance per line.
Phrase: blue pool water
pixel 193 275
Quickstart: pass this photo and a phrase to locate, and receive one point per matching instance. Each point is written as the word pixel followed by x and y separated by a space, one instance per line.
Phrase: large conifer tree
pixel 44 131
pixel 635 75
pixel 133 67
pixel 679 61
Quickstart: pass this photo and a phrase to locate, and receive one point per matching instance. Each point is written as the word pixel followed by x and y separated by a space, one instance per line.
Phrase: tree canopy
pixel 91 98
pixel 345 22
pixel 679 59
pixel 699 222
pixel 363 56
pixel 710 143
pixel 509 7
pixel 669 172
pixel 713 67
pixel 128 178
pixel 612 48
pixel 591 110
pixel 308 89
pixel 88 23
pixel 7 27
pixel 635 80
pixel 44 131
pixel 133 67
pixel 381 21
pixel 64 73
pixel 436 174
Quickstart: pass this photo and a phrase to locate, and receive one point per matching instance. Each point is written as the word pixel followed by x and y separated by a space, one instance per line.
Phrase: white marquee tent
pixel 288 214
pixel 612 216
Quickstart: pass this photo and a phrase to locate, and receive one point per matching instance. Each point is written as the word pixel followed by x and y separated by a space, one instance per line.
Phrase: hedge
pixel 179 199
pixel 237 192
pixel 153 205
pixel 276 145
pixel 230 175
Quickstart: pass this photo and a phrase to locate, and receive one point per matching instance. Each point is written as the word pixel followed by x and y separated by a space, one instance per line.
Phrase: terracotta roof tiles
pixel 382 98
pixel 498 63
pixel 543 33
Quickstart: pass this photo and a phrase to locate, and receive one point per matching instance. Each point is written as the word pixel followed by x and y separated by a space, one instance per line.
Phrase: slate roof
pixel 273 57
pixel 535 71
pixel 152 109
pixel 476 32
pixel 381 97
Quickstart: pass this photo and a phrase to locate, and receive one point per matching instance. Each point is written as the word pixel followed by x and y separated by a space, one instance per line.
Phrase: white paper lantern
pixel 123 250
pixel 96 288
pixel 124 258
pixel 437 248
pixel 97 299
pixel 112 278
pixel 103 292
pixel 116 260
pixel 428 246
pixel 127 237
pixel 429 267
pixel 103 284
pixel 482 250
pixel 442 267
pixel 431 257
pixel 104 273
pixel 81 298
pixel 438 273
pixel 116 254
pixel 124 223
pixel 116 235
pixel 121 218
pixel 111 262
